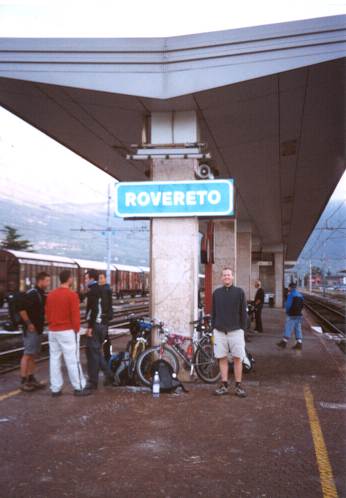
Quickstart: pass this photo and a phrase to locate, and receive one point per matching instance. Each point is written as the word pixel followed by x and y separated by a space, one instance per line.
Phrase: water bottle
pixel 156 385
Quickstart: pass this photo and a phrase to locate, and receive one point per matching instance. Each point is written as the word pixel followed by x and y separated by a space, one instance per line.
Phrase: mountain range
pixel 63 229
pixel 326 246
pixel 76 231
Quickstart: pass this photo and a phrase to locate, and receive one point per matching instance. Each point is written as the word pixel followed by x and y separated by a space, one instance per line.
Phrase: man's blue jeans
pixel 293 323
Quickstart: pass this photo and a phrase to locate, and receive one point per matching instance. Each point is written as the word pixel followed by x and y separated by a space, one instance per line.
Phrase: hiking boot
pixel 26 387
pixel 56 394
pixel 82 392
pixel 240 392
pixel 221 390
pixel 282 344
pixel 298 346
pixel 37 384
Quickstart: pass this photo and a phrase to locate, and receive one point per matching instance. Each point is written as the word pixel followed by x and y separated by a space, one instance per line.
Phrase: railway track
pixel 330 316
pixel 9 359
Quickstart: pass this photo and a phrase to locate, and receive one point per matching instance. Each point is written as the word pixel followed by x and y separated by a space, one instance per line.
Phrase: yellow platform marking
pixel 9 394
pixel 325 469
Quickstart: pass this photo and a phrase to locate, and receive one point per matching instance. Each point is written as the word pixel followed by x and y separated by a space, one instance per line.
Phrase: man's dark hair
pixel 103 273
pixel 64 276
pixel 292 285
pixel 41 276
pixel 93 274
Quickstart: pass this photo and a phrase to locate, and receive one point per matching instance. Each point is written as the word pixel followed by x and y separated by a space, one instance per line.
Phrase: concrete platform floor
pixel 119 443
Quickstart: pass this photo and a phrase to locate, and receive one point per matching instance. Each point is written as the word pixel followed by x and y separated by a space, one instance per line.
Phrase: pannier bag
pixel 120 364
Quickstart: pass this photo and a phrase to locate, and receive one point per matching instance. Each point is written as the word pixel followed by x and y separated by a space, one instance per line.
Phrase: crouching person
pixel 63 316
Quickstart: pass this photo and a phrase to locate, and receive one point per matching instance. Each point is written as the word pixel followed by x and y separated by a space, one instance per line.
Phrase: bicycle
pixel 199 357
pixel 140 330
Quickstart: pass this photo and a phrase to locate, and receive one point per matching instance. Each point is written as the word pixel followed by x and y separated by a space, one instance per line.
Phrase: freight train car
pixel 18 270
pixel 128 280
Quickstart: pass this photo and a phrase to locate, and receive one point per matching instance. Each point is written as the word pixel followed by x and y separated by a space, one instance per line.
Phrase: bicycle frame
pixel 175 341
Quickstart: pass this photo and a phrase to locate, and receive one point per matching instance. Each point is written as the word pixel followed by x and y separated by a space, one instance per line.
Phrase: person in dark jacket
pixel 32 314
pixel 294 307
pixel 107 291
pixel 229 321
pixel 259 301
pixel 97 312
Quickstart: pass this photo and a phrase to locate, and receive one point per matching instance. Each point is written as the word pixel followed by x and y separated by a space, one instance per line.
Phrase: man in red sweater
pixel 63 316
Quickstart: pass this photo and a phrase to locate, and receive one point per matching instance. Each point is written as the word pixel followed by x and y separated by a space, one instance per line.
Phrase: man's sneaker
pixel 282 344
pixel 221 390
pixel 298 346
pixel 26 387
pixel 56 394
pixel 82 392
pixel 240 392
pixel 37 384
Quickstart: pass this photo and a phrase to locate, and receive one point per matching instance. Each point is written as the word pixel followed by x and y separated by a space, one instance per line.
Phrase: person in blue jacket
pixel 294 307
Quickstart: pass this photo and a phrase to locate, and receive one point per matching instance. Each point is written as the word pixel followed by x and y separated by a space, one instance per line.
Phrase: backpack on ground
pixel 168 383
pixel 120 365
pixel 248 362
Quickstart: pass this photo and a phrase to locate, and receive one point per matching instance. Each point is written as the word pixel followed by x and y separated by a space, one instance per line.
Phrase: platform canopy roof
pixel 270 101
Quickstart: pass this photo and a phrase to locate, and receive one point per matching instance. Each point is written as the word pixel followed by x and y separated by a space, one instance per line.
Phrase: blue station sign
pixel 172 199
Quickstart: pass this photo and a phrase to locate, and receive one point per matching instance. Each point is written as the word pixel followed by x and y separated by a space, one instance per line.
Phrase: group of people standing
pixel 61 310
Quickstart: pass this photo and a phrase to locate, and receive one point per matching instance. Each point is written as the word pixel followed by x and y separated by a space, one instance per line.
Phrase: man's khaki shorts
pixel 233 343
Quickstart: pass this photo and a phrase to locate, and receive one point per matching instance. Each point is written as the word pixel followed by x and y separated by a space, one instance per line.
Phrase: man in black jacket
pixel 31 311
pixel 97 313
pixel 107 295
pixel 229 320
pixel 259 301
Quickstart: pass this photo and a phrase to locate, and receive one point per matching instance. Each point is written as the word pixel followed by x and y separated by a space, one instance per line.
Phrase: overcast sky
pixel 150 17
pixel 33 165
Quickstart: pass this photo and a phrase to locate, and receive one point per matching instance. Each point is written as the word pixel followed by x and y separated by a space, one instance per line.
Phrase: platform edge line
pixel 324 466
pixel 9 394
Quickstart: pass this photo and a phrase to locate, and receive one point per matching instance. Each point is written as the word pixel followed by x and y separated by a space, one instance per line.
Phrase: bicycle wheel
pixel 149 356
pixel 207 366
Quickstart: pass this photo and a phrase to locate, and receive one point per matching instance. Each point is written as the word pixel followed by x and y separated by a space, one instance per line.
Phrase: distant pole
pixel 310 277
pixel 109 236
pixel 324 268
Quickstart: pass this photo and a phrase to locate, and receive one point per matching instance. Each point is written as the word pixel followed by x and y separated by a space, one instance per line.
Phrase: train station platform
pixel 285 440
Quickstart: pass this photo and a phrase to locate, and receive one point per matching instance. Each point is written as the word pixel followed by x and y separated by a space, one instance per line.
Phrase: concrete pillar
pixel 174 256
pixel 279 278
pixel 225 254
pixel 254 276
pixel 244 252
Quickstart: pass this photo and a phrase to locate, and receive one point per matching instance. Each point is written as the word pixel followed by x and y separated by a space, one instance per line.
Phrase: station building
pixel 262 106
